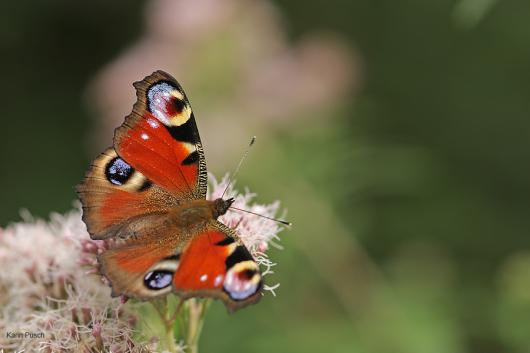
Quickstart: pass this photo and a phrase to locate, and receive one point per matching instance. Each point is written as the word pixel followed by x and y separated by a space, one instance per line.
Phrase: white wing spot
pixel 153 123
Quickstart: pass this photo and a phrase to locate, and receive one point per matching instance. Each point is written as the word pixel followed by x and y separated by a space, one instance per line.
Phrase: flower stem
pixel 168 320
pixel 170 339
pixel 197 310
pixel 188 316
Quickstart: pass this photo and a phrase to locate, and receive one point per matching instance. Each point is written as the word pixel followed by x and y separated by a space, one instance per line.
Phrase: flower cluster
pixel 256 232
pixel 47 293
pixel 53 287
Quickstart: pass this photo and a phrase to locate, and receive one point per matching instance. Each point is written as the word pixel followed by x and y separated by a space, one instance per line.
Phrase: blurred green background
pixel 409 196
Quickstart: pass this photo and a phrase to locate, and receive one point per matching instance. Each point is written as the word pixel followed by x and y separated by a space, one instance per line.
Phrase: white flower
pixel 256 232
pixel 46 291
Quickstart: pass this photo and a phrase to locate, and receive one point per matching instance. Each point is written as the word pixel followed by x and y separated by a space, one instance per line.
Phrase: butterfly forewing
pixel 113 193
pixel 161 139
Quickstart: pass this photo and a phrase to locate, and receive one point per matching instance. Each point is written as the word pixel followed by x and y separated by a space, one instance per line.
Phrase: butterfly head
pixel 220 206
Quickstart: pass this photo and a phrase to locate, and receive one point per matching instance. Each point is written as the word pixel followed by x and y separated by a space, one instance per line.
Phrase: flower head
pixel 53 285
pixel 256 232
pixel 47 292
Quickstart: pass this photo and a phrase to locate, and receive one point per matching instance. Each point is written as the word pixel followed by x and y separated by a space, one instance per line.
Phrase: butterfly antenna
pixel 260 215
pixel 252 140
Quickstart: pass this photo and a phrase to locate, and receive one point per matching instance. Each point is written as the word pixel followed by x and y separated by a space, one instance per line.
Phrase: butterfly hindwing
pixel 215 264
pixel 208 264
pixel 143 266
pixel 161 139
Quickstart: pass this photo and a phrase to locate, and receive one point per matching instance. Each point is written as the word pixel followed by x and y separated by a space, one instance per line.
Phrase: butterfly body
pixel 148 191
pixel 196 214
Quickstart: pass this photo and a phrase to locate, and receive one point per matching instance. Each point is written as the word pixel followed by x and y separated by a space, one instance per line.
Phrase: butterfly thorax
pixel 198 213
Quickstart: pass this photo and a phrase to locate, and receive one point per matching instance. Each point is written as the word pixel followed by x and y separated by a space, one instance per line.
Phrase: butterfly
pixel 149 192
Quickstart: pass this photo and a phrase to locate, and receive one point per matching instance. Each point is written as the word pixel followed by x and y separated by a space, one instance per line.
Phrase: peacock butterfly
pixel 149 191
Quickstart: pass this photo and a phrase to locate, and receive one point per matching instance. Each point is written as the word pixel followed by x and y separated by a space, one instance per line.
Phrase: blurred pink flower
pixel 237 66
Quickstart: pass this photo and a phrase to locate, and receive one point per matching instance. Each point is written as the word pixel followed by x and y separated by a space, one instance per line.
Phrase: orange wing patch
pixel 149 147
pixel 214 265
pixel 203 263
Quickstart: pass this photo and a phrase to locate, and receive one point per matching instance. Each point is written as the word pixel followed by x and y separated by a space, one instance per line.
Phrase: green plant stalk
pixel 197 313
pixel 182 324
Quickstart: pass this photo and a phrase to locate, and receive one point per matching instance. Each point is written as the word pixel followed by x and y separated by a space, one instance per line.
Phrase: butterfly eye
pixel 118 171
pixel 168 104
pixel 158 279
